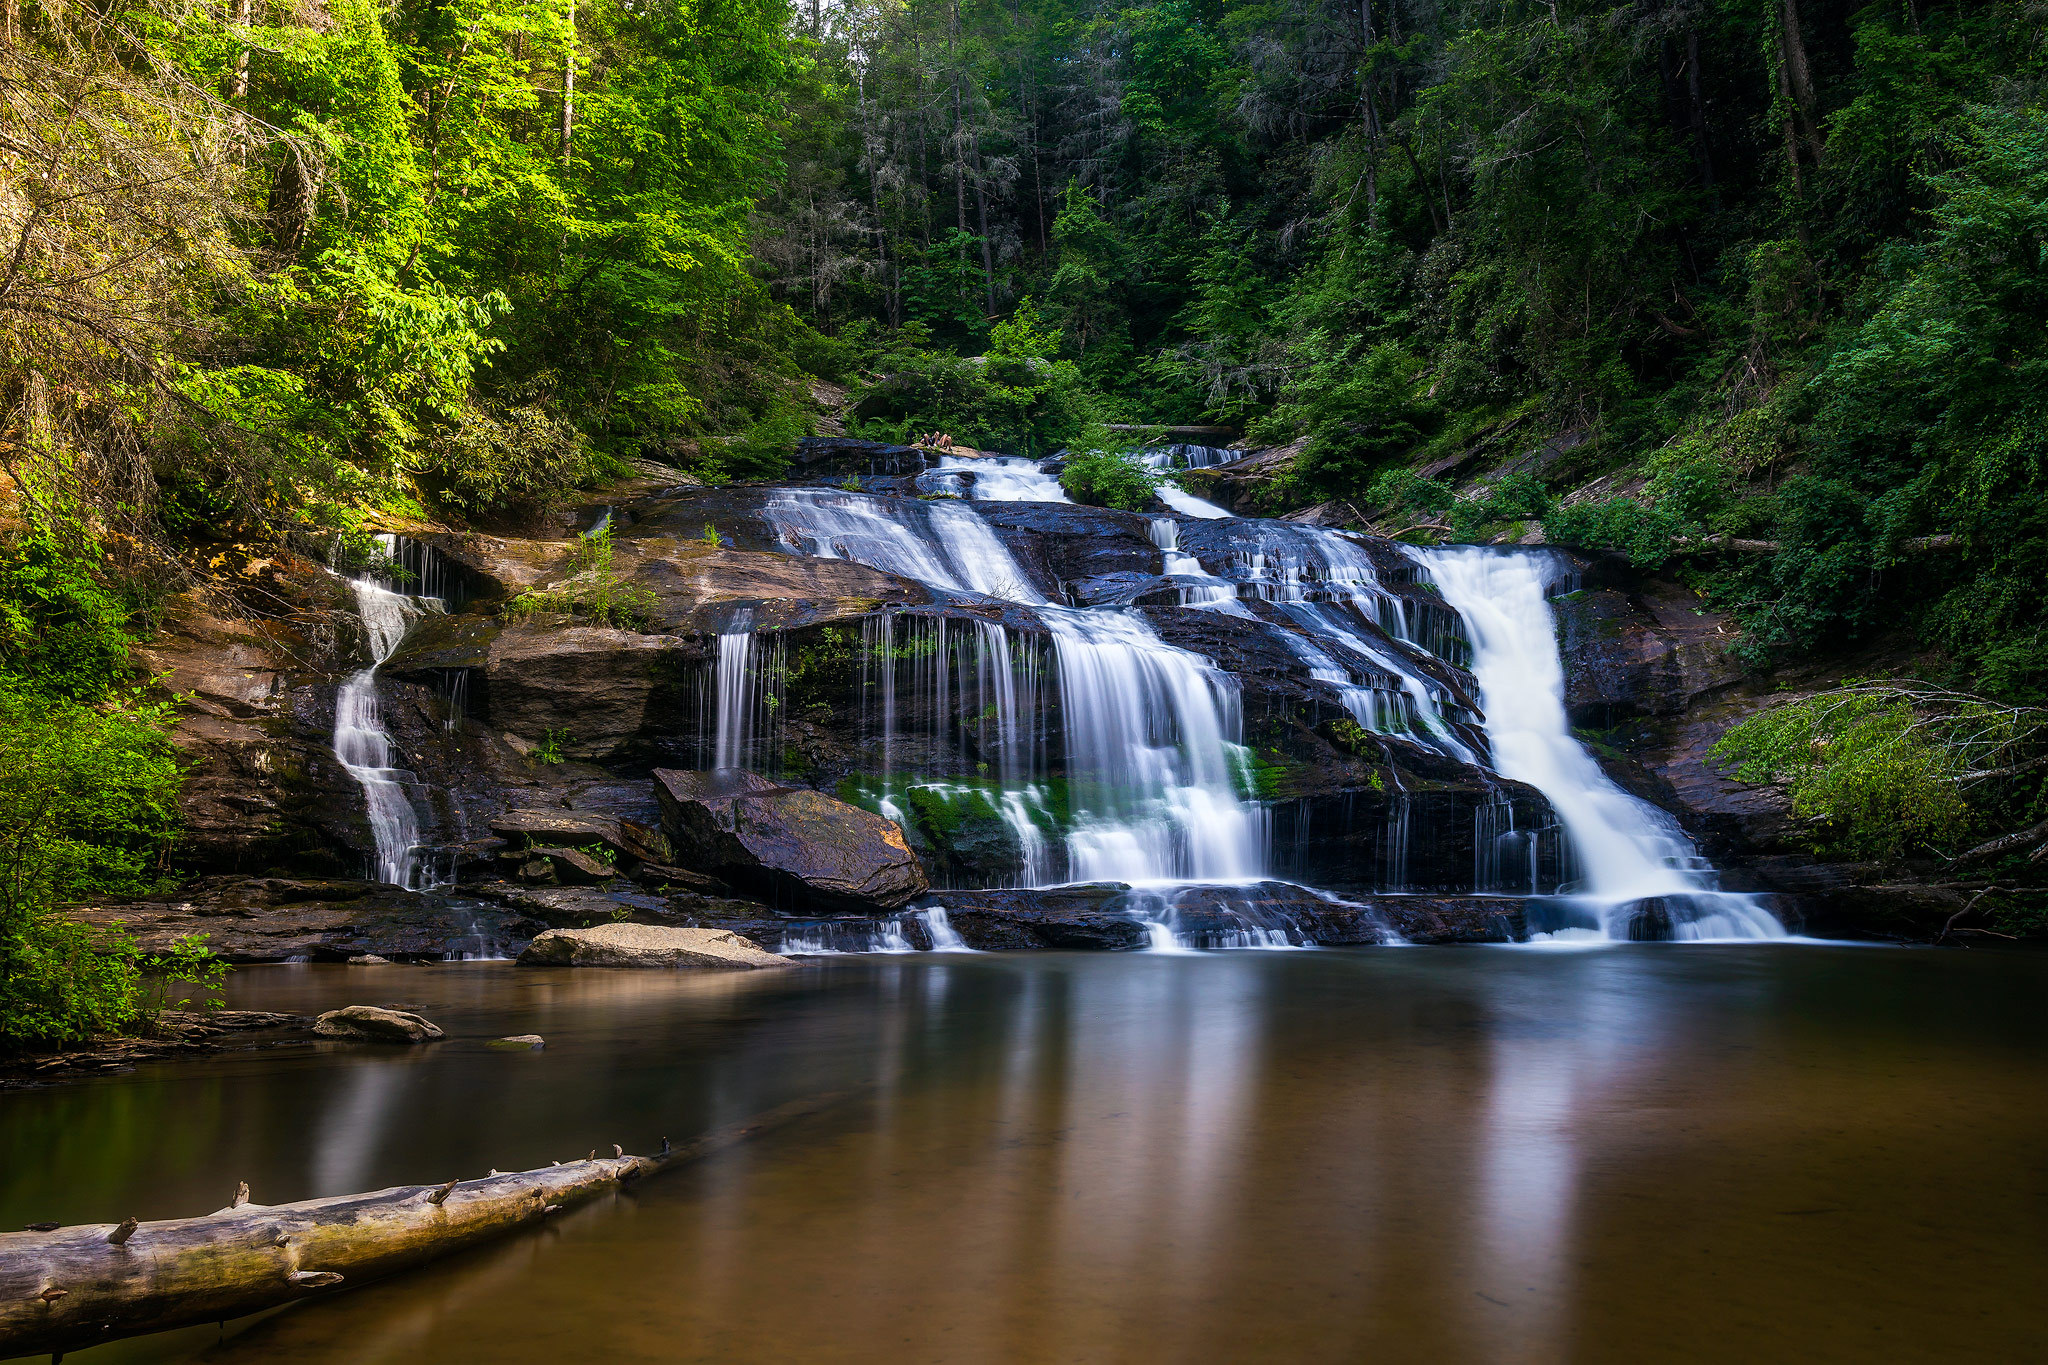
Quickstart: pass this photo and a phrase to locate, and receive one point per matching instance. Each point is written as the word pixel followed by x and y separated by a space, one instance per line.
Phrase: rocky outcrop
pixel 278 919
pixel 374 1024
pixel 1252 486
pixel 791 846
pixel 645 945
pixel 255 718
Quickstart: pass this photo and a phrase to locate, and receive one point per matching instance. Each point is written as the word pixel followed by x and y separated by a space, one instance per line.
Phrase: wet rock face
pixel 789 845
pixel 264 790
pixel 821 456
pixel 1649 677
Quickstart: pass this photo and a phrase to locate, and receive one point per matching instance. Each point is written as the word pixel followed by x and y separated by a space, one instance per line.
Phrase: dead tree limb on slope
pixel 79 1286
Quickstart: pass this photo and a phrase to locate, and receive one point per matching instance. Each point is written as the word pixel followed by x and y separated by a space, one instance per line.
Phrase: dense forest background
pixel 1751 291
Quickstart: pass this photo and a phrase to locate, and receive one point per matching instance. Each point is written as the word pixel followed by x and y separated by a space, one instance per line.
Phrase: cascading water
pixel 1634 858
pixel 1153 771
pixel 364 746
pixel 735 696
pixel 999 478
pixel 1154 767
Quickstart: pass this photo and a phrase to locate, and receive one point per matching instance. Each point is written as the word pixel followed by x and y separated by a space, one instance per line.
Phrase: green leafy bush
pixel 1884 770
pixel 88 807
pixel 1103 470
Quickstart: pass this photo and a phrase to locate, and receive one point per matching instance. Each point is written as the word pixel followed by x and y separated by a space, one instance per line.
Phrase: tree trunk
pixel 238 83
pixel 568 89
pixel 1372 117
pixel 569 86
pixel 1697 112
pixel 79 1286
pixel 1799 76
pixel 988 264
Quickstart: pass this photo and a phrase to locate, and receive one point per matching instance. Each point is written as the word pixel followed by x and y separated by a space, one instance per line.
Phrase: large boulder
pixel 792 846
pixel 374 1024
pixel 646 945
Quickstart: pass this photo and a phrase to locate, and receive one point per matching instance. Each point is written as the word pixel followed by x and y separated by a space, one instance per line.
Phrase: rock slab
pixel 646 945
pixel 790 845
pixel 372 1024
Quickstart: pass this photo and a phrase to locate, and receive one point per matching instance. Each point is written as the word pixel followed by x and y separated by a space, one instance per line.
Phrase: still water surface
pixel 1630 1154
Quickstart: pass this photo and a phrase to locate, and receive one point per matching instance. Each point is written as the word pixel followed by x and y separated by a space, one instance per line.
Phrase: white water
pixel 1151 730
pixel 1630 850
pixel 736 674
pixel 1003 478
pixel 945 938
pixel 364 746
pixel 1189 457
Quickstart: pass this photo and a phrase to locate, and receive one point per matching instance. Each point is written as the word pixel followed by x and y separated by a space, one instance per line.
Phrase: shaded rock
pixel 518 1042
pixel 374 1024
pixel 1252 486
pixel 277 919
pixel 645 945
pixel 821 455
pixel 662 875
pixel 573 866
pixel 791 846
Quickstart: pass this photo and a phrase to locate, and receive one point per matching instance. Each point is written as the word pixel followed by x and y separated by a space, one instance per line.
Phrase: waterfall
pixel 1000 478
pixel 945 938
pixel 361 741
pixel 1152 732
pixel 735 698
pixel 1635 861
pixel 1211 592
pixel 1324 582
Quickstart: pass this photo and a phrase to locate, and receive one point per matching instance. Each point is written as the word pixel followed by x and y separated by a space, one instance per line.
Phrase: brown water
pixel 1630 1154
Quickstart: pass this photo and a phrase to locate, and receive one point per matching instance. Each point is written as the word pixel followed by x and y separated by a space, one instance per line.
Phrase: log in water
pixel 65 1288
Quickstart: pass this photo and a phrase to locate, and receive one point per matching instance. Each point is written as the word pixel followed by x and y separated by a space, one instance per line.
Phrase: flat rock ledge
pixel 646 945
pixel 372 1024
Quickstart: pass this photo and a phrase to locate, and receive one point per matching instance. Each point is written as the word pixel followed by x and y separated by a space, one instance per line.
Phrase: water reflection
pixel 1338 1156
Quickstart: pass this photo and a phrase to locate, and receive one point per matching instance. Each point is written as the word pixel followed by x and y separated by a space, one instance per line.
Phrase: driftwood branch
pixel 75 1287
pixel 2004 843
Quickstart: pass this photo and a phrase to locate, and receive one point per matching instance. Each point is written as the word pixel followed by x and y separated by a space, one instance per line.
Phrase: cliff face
pixel 1651 685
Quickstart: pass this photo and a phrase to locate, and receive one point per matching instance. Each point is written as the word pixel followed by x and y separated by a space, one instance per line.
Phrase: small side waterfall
pixel 1641 875
pixel 363 744
pixel 736 676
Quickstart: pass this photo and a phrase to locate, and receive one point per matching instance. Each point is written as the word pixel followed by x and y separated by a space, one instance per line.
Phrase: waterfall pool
pixel 1641 1152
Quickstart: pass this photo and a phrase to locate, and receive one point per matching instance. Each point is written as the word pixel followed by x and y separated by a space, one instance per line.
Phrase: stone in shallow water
pixel 518 1042
pixel 374 1024
pixel 645 945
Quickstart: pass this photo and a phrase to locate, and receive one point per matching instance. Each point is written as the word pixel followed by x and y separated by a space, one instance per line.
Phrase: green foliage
pixel 593 590
pixel 1870 784
pixel 1883 770
pixel 1359 410
pixel 1105 472
pixel 88 808
pixel 63 632
pixel 549 750
pixel 1015 397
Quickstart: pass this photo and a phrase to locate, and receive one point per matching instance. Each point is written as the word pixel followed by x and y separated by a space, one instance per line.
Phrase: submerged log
pixel 75 1287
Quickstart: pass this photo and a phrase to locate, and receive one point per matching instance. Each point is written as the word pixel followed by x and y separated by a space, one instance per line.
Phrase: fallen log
pixel 73 1287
